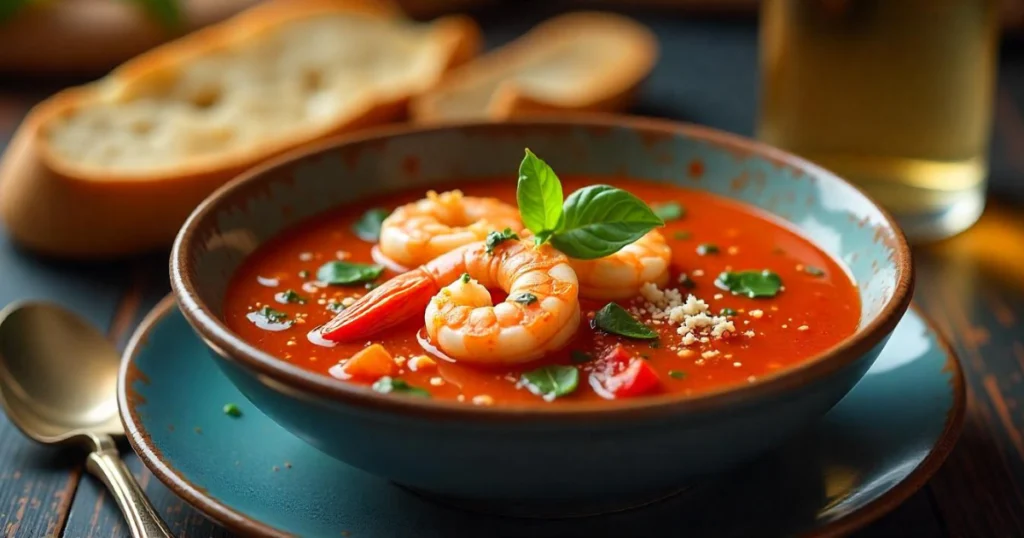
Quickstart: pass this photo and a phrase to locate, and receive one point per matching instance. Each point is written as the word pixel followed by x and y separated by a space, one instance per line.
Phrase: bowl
pixel 556 455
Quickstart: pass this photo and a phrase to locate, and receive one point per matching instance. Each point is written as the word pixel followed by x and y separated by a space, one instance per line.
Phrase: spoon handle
pixel 143 521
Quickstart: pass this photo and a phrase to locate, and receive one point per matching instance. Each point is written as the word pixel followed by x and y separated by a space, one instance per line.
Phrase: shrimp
pixel 418 232
pixel 620 275
pixel 540 314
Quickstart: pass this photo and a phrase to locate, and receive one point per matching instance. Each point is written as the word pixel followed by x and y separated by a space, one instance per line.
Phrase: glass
pixel 894 95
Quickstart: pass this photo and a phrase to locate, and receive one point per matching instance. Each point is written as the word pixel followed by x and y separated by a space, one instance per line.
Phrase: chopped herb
pixel 552 381
pixel 645 356
pixel 814 271
pixel 655 344
pixel 728 312
pixel 367 227
pixel 290 296
pixel 388 385
pixel 232 410
pixel 496 238
pixel 669 211
pixel 342 273
pixel 271 315
pixel 370 285
pixel 580 357
pixel 616 320
pixel 681 236
pixel 753 284
pixel 525 298
pixel 303 274
pixel 687 282
pixel 707 248
pixel 464 278
pixel 335 306
pixel 676 374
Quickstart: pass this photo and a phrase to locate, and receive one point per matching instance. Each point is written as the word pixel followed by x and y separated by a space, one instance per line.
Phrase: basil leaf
pixel 676 374
pixel 552 381
pixel 496 238
pixel 289 296
pixel 388 385
pixel 669 211
pixel 539 194
pixel 166 12
pixel 707 248
pixel 341 273
pixel 600 220
pixel 750 283
pixel 367 227
pixel 273 316
pixel 615 320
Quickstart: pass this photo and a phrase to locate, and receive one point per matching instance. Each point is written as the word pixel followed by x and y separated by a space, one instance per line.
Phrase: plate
pixel 871 452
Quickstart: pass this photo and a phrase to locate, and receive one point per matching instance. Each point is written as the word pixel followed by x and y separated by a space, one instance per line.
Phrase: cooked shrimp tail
pixel 400 299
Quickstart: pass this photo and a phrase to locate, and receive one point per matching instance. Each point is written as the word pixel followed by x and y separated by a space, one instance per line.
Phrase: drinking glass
pixel 894 95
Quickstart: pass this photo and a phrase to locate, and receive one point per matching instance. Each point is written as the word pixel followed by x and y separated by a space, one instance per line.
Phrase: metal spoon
pixel 58 384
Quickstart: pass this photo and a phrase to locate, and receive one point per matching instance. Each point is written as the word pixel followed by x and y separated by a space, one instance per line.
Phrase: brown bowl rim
pixel 216 334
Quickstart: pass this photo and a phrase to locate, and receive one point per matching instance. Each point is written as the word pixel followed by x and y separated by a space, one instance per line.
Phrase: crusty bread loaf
pixel 584 61
pixel 116 166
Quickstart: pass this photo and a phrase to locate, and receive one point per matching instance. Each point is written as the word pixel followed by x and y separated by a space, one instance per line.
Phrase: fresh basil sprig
pixel 368 226
pixel 552 381
pixel 616 320
pixel 345 273
pixel 753 284
pixel 593 222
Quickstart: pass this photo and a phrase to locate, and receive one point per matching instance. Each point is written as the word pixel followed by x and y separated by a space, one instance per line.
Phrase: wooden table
pixel 972 286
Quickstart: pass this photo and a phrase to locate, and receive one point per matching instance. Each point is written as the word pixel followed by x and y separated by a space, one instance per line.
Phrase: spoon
pixel 58 384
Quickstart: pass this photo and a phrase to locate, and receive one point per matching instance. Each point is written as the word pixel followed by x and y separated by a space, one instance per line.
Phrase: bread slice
pixel 114 167
pixel 584 61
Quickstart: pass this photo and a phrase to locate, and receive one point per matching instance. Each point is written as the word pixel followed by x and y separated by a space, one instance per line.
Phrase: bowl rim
pixel 303 383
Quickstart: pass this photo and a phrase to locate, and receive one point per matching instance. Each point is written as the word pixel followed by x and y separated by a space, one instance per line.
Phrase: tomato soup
pixel 745 297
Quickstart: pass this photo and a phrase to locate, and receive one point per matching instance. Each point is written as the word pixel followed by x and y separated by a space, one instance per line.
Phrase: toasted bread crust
pixel 59 208
pixel 610 85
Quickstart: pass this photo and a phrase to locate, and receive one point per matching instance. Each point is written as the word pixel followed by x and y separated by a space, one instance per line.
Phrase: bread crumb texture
pixel 291 80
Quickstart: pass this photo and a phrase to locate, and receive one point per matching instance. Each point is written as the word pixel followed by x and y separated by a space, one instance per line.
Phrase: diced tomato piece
pixel 370 364
pixel 637 379
pixel 617 358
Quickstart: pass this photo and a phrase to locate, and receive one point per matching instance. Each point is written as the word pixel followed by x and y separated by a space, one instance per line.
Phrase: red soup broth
pixel 817 307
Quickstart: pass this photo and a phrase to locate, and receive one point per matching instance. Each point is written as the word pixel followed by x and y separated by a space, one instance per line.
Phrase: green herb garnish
pixel 593 222
pixel 335 306
pixel 616 320
pixel 344 273
pixel 464 278
pixel 707 248
pixel 496 238
pixel 367 227
pixel 728 312
pixel 232 410
pixel 676 374
pixel 525 298
pixel 303 274
pixel 750 283
pixel 291 296
pixel 681 236
pixel 388 385
pixel 814 271
pixel 655 344
pixel 552 381
pixel 369 285
pixel 539 194
pixel 669 211
pixel 580 357
pixel 271 315
pixel 686 282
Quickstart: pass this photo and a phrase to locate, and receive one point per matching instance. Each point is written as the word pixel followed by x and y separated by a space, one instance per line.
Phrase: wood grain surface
pixel 971 285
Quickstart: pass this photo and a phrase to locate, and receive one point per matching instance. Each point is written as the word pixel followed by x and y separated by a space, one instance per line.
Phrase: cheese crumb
pixel 756 314
pixel 436 381
pixel 483 399
pixel 710 354
pixel 802 328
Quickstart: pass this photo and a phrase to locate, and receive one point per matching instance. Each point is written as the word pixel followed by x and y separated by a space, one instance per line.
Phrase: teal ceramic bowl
pixel 582 452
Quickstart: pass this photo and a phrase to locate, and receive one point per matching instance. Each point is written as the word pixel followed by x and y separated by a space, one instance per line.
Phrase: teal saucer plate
pixel 871 452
